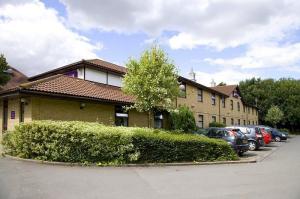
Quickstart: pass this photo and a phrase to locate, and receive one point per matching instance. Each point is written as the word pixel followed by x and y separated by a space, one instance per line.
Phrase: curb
pixel 132 165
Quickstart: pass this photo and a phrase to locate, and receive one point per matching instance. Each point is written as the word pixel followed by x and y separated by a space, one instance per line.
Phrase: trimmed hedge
pixel 95 143
pixel 216 124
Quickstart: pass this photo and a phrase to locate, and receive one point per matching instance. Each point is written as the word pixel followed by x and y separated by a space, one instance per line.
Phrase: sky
pixel 224 40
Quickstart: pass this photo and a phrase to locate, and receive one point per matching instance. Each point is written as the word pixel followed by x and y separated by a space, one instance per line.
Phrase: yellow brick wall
pixel 139 119
pixel 68 110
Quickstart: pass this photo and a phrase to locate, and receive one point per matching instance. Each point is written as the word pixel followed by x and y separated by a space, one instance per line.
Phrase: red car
pixel 267 137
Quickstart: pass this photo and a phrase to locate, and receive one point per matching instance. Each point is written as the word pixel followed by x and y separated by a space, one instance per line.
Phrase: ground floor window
pixel 22 111
pixel 121 116
pixel 248 122
pixel 244 122
pixel 232 121
pixel 239 122
pixel 200 121
pixel 214 119
pixel 158 120
pixel 224 120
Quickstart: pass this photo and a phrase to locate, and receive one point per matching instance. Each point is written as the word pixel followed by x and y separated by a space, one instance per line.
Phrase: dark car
pixel 237 140
pixel 277 135
pixel 255 137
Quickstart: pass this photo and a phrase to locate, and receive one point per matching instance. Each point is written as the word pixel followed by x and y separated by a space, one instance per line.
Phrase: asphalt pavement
pixel 276 176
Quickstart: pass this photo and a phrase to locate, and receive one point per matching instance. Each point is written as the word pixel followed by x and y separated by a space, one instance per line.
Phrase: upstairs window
pixel 238 106
pixel 231 104
pixel 213 99
pixel 223 102
pixel 252 111
pixel 244 108
pixel 200 95
pixel 121 116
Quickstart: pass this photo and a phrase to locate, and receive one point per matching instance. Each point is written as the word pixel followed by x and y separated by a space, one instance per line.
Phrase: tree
pixel 222 84
pixel 4 77
pixel 274 115
pixel 182 119
pixel 152 79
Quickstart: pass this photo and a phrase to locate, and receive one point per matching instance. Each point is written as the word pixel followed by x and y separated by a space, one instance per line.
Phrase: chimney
pixel 192 75
pixel 213 83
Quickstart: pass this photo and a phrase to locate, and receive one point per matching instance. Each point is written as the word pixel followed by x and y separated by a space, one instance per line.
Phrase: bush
pixel 183 120
pixel 216 124
pixel 96 143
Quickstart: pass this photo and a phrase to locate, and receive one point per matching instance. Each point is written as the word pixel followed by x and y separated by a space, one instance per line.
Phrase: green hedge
pixel 216 124
pixel 96 143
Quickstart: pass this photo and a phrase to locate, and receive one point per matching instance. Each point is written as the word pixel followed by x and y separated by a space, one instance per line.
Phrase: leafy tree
pixel 152 79
pixel 284 93
pixel 222 84
pixel 182 119
pixel 4 77
pixel 274 115
pixel 216 124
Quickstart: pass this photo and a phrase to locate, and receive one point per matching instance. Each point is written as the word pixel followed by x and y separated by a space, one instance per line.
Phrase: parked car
pixel 255 137
pixel 277 136
pixel 237 140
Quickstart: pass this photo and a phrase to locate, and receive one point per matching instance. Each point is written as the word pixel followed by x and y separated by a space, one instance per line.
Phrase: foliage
pixel 95 143
pixel 4 77
pixel 274 115
pixel 182 119
pixel 152 80
pixel 284 93
pixel 216 124
pixel 222 84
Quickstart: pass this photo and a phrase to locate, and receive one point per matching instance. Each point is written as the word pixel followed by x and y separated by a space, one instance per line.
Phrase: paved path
pixel 278 176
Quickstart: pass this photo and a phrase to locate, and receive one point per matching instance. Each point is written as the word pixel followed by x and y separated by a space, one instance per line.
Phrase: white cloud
pixel 228 76
pixel 284 57
pixel 215 23
pixel 35 39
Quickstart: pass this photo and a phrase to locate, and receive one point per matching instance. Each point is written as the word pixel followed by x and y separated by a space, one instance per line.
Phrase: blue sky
pixel 224 40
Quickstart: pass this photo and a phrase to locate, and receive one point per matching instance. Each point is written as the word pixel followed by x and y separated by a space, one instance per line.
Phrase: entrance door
pixel 5 114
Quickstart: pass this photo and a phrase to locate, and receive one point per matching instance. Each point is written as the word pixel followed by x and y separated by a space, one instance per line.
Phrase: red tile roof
pixel 69 86
pixel 227 90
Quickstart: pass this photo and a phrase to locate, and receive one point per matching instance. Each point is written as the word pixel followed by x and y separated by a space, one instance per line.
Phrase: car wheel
pixel 277 139
pixel 252 145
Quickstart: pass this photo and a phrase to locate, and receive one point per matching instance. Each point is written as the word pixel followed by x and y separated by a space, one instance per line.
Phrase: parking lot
pixel 275 175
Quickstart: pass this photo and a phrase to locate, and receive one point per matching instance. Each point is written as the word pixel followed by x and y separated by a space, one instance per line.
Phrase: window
pixel 200 121
pixel 252 111
pixel 232 121
pixel 252 122
pixel 238 106
pixel 213 99
pixel 182 92
pixel 248 109
pixel 200 95
pixel 223 102
pixel 248 122
pixel 214 119
pixel 158 120
pixel 22 111
pixel 244 122
pixel 231 104
pixel 239 122
pixel 121 116
pixel 244 107
pixel 256 112
pixel 224 120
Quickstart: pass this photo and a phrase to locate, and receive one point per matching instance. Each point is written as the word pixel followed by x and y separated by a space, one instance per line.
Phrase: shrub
pixel 96 143
pixel 216 124
pixel 183 120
